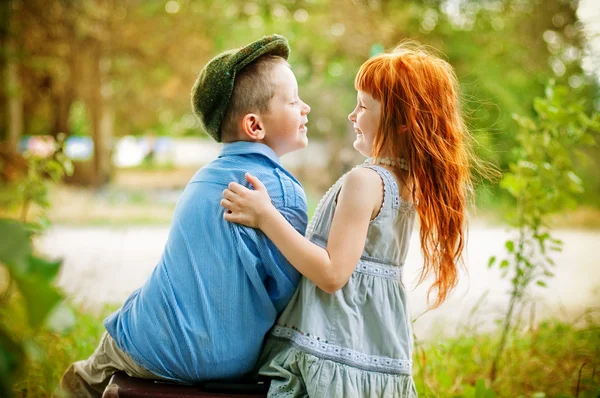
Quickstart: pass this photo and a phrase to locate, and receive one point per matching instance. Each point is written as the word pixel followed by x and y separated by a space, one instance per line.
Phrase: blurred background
pixel 115 78
pixel 97 142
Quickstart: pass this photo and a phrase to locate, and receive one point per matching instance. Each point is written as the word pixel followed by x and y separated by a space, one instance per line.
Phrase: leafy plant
pixel 542 182
pixel 552 359
pixel 30 277
pixel 30 183
pixel 26 278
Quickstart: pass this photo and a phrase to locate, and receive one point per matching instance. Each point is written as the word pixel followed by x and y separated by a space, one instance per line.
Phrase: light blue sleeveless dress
pixel 356 342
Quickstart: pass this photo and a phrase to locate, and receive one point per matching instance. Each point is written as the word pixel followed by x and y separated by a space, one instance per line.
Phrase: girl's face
pixel 365 120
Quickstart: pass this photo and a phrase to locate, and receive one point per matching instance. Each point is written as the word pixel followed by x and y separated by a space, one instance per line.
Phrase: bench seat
pixel 121 386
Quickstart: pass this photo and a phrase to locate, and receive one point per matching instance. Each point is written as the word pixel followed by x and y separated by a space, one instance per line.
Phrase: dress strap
pixel 389 184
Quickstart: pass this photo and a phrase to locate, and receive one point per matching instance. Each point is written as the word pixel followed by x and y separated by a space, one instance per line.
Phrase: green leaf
pixel 510 246
pixel 44 268
pixel 12 359
pixel 15 247
pixel 491 261
pixel 512 184
pixel 504 264
pixel 541 283
pixel 481 390
pixel 39 297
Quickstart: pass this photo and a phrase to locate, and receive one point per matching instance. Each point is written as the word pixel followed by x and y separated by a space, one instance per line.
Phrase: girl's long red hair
pixel 421 122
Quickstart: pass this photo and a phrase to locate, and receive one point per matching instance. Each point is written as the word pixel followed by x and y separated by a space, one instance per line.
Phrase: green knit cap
pixel 213 88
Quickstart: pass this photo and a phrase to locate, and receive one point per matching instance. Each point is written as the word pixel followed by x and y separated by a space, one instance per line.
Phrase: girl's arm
pixel 358 202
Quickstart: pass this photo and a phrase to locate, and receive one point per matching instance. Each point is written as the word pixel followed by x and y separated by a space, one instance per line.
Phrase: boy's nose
pixel 351 117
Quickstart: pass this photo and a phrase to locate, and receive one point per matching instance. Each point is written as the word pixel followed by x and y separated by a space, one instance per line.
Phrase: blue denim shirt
pixel 218 287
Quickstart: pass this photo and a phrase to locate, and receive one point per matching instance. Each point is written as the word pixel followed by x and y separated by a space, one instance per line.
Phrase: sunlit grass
pixel 552 359
pixel 50 353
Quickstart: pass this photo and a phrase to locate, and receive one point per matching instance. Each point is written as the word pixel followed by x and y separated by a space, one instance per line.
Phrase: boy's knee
pixel 73 385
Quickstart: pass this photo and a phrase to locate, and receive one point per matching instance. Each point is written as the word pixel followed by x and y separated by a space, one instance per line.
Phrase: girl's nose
pixel 306 108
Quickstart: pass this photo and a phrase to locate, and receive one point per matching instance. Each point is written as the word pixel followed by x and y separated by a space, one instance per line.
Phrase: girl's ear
pixel 252 127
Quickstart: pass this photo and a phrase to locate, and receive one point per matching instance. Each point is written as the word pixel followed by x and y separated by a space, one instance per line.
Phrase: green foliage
pixel 503 52
pixel 542 182
pixel 33 187
pixel 28 277
pixel 544 361
pixel 31 274
pixel 41 373
pixel 28 298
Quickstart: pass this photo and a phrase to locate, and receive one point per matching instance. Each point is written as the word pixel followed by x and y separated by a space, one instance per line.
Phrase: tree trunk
pixel 13 90
pixel 4 25
pixel 99 129
pixel 67 94
pixel 14 100
pixel 62 105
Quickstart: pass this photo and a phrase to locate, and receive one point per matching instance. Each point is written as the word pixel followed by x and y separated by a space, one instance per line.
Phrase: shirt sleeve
pixel 282 277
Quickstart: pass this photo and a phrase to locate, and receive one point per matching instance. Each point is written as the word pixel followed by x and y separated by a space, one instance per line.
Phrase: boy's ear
pixel 252 127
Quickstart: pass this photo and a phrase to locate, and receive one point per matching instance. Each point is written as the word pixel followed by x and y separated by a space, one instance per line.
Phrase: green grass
pixel 544 361
pixel 50 353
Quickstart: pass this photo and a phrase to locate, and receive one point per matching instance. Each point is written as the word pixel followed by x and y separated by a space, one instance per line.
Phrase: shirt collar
pixel 247 147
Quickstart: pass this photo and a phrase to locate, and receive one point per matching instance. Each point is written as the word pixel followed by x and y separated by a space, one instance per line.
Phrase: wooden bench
pixel 121 385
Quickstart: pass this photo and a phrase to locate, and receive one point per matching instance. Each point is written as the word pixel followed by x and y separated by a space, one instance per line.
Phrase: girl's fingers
pixel 237 188
pixel 226 203
pixel 227 194
pixel 229 217
pixel 236 218
pixel 256 183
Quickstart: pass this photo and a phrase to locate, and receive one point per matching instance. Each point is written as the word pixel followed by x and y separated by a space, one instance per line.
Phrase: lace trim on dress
pixel 369 265
pixel 343 355
pixel 376 268
pixel 311 224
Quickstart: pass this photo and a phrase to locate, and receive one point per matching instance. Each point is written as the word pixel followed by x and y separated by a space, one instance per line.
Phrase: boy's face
pixel 285 121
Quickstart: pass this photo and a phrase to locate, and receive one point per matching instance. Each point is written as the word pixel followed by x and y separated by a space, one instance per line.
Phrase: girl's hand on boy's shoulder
pixel 245 206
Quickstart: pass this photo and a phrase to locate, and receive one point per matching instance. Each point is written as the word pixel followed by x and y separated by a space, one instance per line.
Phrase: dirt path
pixel 103 265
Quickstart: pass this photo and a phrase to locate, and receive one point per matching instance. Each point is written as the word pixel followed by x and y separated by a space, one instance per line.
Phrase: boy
pixel 218 288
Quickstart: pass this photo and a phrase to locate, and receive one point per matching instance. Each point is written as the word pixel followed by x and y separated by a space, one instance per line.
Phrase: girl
pixel 346 332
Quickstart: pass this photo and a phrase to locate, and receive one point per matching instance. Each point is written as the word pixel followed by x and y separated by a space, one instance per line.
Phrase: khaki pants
pixel 90 377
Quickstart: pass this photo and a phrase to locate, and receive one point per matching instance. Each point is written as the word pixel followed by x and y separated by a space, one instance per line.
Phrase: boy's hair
pixel 252 92
pixel 421 122
pixel 212 90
